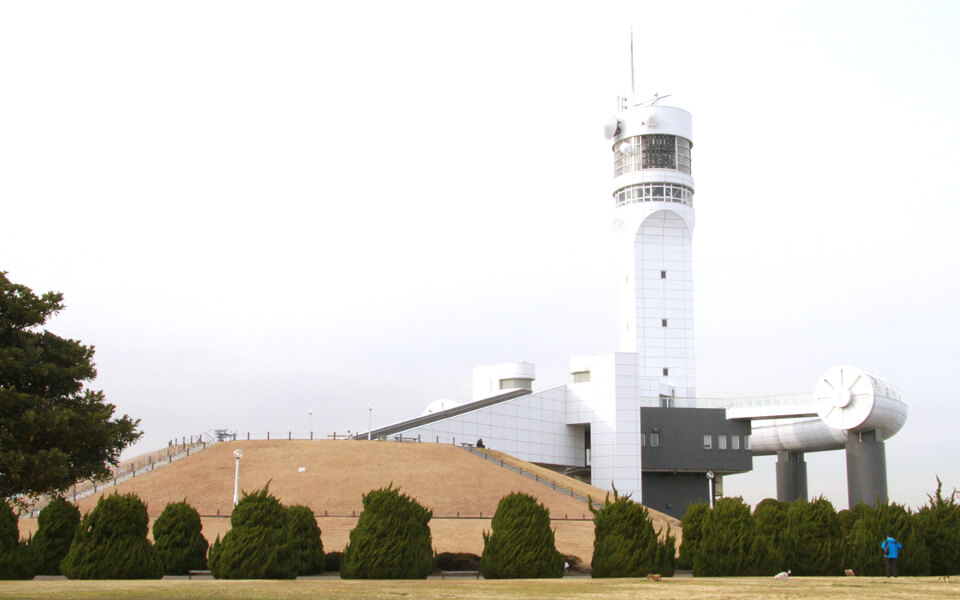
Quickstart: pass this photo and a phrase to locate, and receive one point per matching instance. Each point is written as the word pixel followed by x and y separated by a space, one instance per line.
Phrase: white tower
pixel 653 221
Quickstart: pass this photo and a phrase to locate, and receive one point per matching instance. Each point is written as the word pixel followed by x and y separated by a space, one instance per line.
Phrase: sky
pixel 259 209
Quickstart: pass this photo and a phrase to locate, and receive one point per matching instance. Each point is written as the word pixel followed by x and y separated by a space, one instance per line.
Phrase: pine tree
pixel 862 546
pixel 111 542
pixel 56 526
pixel 766 550
pixel 691 525
pixel 256 547
pixel 940 523
pixel 15 560
pixel 726 539
pixel 521 545
pixel 391 540
pixel 304 538
pixel 177 534
pixel 812 541
pixel 625 544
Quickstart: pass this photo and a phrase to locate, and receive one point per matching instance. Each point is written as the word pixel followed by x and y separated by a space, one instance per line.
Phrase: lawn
pixel 798 588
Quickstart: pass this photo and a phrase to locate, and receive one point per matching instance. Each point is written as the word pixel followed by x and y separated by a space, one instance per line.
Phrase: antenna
pixel 633 92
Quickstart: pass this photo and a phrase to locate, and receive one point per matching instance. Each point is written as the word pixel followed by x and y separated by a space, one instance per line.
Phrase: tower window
pixel 663 274
pixel 666 371
pixel 663 322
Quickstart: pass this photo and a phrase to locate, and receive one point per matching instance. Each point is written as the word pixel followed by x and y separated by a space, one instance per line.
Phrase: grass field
pixel 798 588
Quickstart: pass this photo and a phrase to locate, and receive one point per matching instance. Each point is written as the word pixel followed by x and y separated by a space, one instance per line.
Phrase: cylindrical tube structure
pixel 791 476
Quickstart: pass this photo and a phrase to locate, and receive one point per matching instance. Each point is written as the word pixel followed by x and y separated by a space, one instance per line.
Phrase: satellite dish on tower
pixel 611 127
pixel 626 148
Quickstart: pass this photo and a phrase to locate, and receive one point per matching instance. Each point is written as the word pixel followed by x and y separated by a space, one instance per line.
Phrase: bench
pixel 198 572
pixel 445 574
pixel 466 444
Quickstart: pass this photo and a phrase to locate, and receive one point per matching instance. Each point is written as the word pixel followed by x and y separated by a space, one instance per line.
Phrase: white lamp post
pixel 370 422
pixel 710 478
pixel 236 477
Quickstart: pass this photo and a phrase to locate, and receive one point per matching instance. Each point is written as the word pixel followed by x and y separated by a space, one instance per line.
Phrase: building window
pixel 663 322
pixel 734 442
pixel 746 442
pixel 656 151
pixel 654 192
pixel 666 372
pixel 509 384
pixel 707 441
pixel 666 401
pixel 663 274
pixel 654 439
pixel 721 442
pixel 643 440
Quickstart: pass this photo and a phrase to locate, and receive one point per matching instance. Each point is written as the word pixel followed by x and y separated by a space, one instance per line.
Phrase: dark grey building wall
pixel 671 492
pixel 681 441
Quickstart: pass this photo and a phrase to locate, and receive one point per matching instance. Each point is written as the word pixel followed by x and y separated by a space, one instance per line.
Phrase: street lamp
pixel 236 477
pixel 710 479
pixel 370 422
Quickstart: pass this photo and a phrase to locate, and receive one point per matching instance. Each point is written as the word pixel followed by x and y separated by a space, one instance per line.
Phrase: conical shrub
pixel 256 547
pixel 765 556
pixel 303 536
pixel 56 527
pixel 178 538
pixel 15 560
pixel 726 539
pixel 625 544
pixel 940 523
pixel 392 539
pixel 521 545
pixel 812 542
pixel 692 526
pixel 111 542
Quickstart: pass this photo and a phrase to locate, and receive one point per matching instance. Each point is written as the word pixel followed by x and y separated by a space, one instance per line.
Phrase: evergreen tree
pixel 15 560
pixel 940 523
pixel 256 547
pixel 111 542
pixel 765 556
pixel 304 538
pixel 726 539
pixel 56 526
pixel 812 539
pixel 521 545
pixel 391 540
pixel 625 544
pixel 691 526
pixel 178 538
pixel 862 547
pixel 54 431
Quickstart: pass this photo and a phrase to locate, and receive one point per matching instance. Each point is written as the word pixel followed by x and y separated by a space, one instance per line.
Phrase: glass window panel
pixel 707 441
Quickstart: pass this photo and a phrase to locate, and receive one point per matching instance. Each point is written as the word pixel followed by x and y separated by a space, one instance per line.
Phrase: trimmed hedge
pixel 521 544
pixel 303 535
pixel 391 540
pixel 178 538
pixel 111 542
pixel 15 560
pixel 625 544
pixel 56 527
pixel 256 547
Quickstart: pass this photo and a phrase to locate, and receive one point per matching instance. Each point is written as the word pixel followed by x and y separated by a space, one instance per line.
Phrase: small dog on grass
pixel 653 577
pixel 783 575
pixel 849 573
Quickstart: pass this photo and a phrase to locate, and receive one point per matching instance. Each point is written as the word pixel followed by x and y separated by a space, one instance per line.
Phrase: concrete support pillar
pixel 791 476
pixel 866 468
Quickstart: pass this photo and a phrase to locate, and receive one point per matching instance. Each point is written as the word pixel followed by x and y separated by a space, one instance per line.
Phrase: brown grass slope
pixel 444 478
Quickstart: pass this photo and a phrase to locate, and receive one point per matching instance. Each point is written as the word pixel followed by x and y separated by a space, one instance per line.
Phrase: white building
pixel 631 418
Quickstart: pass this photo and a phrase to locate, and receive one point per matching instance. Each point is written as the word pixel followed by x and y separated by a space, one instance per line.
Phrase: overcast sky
pixel 259 208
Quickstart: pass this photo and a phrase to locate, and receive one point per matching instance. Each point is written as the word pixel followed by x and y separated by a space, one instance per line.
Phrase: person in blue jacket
pixel 891 551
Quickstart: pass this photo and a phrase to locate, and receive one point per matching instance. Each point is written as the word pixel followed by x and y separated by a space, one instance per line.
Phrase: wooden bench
pixel 445 574
pixel 466 444
pixel 198 572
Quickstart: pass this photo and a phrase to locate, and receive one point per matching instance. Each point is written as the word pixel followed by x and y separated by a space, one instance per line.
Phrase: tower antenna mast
pixel 633 91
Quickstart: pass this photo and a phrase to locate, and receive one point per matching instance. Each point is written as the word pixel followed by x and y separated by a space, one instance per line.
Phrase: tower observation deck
pixel 652 194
